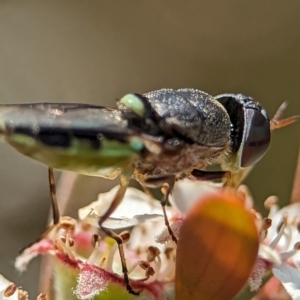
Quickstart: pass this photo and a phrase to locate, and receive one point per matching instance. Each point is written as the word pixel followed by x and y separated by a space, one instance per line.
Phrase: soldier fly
pixel 154 138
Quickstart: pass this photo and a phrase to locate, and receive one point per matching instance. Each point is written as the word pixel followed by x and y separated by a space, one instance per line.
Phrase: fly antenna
pixel 277 122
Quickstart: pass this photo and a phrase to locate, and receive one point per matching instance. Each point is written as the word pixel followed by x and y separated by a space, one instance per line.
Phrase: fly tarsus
pixel 119 241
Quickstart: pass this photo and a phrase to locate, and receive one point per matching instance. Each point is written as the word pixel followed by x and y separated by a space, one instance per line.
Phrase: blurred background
pixel 95 51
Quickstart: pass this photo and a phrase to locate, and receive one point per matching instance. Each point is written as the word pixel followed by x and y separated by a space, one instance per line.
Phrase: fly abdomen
pixel 51 139
pixel 85 139
pixel 54 138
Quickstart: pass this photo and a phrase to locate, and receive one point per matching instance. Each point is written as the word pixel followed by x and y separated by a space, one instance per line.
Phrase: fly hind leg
pixel 54 204
pixel 55 211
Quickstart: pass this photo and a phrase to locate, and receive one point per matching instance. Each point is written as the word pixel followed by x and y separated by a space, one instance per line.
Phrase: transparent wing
pixel 32 119
pixel 78 137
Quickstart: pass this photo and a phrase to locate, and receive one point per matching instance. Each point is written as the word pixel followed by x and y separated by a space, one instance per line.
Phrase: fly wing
pixel 35 119
pixel 79 137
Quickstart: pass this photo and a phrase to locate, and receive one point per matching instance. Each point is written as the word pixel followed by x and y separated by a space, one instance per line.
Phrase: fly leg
pixel 212 175
pixel 55 210
pixel 116 201
pixel 167 182
pixel 164 202
pixel 54 204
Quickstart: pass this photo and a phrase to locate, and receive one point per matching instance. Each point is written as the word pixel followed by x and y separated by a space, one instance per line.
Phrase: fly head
pixel 250 128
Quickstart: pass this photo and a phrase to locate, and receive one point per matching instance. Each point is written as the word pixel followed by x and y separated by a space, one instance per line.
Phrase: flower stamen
pixel 288 254
pixel 64 245
pixel 266 224
pixel 168 271
pixel 274 243
pixel 42 297
pixel 68 224
pixel 10 290
pixel 96 255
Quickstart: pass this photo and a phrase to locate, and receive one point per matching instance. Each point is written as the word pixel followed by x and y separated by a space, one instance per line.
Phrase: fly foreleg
pixel 116 201
pixel 167 182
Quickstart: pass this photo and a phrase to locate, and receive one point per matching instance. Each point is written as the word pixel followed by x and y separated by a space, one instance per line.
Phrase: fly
pixel 154 138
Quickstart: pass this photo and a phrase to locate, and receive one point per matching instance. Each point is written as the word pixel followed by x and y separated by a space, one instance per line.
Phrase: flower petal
pixel 269 254
pixel 4 284
pixel 187 191
pixel 40 247
pixel 292 235
pixel 136 208
pixel 290 278
pixel 217 248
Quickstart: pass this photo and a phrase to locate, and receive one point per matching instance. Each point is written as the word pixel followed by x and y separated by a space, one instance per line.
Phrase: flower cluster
pixel 87 264
pixel 279 251
pixel 224 244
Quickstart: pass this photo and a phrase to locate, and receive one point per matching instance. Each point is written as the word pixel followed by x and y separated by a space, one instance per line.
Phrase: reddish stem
pixel 296 189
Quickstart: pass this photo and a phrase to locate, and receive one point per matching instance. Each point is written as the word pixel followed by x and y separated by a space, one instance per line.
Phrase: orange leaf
pixel 217 248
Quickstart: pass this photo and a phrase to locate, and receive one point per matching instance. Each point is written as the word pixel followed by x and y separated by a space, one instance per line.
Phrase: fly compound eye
pixel 250 129
pixel 256 137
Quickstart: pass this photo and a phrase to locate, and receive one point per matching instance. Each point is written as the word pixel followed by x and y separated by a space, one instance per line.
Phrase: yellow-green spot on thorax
pixel 134 103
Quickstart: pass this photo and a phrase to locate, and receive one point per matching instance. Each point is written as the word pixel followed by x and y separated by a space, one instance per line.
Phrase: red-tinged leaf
pixel 217 248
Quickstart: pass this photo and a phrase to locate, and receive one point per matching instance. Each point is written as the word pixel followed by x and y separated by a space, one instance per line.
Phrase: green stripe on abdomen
pixel 81 155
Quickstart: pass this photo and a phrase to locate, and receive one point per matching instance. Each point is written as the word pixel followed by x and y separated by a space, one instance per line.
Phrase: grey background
pixel 95 51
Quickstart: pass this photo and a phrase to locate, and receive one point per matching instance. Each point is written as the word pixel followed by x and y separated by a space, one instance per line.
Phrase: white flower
pixel 188 191
pixel 279 248
pixel 290 278
pixel 149 250
pixel 97 265
pixel 9 291
pixel 135 208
